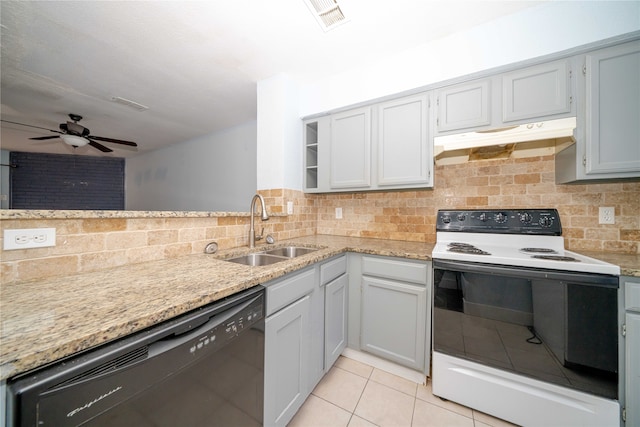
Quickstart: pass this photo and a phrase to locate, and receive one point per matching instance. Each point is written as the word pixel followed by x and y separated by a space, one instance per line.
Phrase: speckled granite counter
pixel 629 263
pixel 45 320
pixel 71 214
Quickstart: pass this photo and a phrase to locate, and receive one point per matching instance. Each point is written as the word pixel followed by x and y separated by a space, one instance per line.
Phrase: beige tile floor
pixel 355 394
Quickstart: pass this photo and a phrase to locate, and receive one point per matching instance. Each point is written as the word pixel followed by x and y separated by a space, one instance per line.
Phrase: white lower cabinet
pixel 287 358
pixel 394 310
pixel 335 281
pixel 632 350
pixel 335 323
pixel 306 321
pixel 394 321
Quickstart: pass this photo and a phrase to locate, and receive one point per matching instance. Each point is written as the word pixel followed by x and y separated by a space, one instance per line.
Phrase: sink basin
pixel 271 256
pixel 290 251
pixel 256 260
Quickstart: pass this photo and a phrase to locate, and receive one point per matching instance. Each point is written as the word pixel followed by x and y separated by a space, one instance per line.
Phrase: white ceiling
pixel 195 64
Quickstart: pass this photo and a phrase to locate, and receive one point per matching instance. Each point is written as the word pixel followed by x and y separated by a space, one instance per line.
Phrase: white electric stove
pixel 522 328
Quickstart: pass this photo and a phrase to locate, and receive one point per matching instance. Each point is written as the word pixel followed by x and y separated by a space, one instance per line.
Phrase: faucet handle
pixel 259 237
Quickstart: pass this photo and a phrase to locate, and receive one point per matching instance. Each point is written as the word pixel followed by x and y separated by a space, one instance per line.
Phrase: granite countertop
pixel 629 263
pixel 74 214
pixel 46 320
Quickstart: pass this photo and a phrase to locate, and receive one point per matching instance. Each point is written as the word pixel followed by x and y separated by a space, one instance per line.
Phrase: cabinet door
pixel 316 357
pixel 612 111
pixel 351 149
pixel 287 335
pixel 464 106
pixel 335 319
pixel 394 321
pixel 536 92
pixel 632 377
pixel 403 149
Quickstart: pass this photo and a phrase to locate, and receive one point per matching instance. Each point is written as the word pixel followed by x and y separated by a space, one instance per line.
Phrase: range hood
pixel 539 131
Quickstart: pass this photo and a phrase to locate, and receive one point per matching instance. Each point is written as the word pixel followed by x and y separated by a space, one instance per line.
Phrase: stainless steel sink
pixel 290 251
pixel 258 259
pixel 271 256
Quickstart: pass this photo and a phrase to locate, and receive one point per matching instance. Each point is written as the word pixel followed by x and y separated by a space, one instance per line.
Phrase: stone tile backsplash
pixel 90 244
pixel 508 183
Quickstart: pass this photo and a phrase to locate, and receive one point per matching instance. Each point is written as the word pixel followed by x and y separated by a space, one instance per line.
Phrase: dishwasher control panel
pixel 230 328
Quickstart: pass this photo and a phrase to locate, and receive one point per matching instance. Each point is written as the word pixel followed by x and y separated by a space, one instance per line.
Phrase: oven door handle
pixel 528 273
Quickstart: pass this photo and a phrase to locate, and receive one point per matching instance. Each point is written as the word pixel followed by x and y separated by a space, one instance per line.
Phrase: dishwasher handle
pixel 233 315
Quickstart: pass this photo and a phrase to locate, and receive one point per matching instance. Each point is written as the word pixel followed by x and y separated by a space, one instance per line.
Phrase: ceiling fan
pixel 77 135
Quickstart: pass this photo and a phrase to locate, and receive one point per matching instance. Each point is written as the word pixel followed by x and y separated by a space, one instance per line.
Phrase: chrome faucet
pixel 264 217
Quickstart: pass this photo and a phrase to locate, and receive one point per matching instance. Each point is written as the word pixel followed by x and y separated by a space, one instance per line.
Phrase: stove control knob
pixel 461 217
pixel 483 217
pixel 446 219
pixel 525 218
pixel 546 221
pixel 500 218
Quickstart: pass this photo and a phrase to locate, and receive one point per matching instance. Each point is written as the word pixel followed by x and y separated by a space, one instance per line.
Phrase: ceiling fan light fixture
pixel 74 140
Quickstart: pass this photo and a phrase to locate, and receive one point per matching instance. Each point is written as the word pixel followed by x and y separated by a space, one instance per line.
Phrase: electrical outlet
pixel 338 213
pixel 28 238
pixel 289 208
pixel 607 215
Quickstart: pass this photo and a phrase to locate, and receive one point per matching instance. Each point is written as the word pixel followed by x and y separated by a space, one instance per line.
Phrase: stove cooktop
pixel 522 238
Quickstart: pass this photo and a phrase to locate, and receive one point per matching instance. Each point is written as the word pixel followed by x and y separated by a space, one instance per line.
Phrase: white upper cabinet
pixel 536 92
pixel 608 133
pixel 531 94
pixel 381 146
pixel 350 164
pixel 464 106
pixel 613 110
pixel 404 153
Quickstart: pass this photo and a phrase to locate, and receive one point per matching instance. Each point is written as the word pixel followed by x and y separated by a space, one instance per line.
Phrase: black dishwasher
pixel 204 368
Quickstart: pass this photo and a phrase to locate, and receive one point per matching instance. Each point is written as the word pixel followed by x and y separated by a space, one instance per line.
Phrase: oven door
pixel 557 327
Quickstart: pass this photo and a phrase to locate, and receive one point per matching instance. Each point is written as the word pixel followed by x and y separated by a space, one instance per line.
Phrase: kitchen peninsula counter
pixel 48 319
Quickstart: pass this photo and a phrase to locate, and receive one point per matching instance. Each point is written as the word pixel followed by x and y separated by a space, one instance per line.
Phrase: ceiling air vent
pixel 129 103
pixel 327 13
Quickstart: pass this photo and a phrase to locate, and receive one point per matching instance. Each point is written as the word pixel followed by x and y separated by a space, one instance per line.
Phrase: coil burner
pixel 465 248
pixel 556 258
pixel 538 251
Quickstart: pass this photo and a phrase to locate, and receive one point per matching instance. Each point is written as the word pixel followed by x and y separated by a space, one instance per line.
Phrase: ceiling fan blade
pixel 31 126
pixel 100 147
pixel 42 138
pixel 115 141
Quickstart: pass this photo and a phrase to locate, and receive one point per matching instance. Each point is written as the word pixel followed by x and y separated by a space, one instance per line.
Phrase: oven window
pixel 551 330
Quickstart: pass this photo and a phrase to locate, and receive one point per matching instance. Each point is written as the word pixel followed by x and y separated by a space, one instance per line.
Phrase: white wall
pixel 536 31
pixel 279 134
pixel 215 172
pixel 533 32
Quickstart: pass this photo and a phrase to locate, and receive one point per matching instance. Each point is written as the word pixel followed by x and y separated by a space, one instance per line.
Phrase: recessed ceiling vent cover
pixel 129 103
pixel 327 13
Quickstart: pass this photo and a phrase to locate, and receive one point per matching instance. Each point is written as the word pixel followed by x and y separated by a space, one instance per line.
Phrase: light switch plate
pixel 289 208
pixel 338 213
pixel 28 238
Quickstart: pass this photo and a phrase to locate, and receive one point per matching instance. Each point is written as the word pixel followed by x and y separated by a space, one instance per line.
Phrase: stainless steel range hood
pixel 539 131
